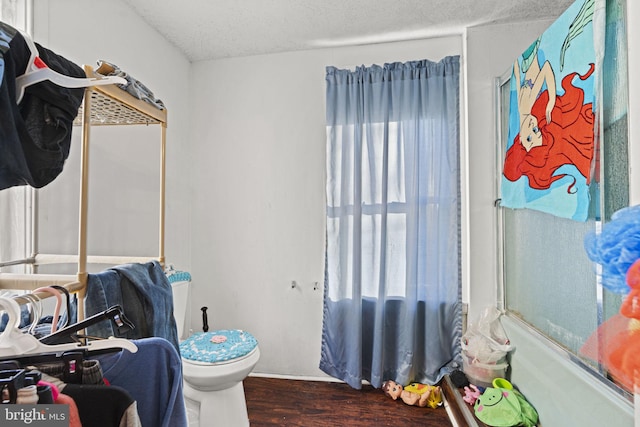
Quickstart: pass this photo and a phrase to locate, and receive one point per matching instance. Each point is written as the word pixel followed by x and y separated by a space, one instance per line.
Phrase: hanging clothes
pixel 100 405
pixel 153 377
pixel 39 371
pixel 35 135
pixel 144 293
pixel 133 86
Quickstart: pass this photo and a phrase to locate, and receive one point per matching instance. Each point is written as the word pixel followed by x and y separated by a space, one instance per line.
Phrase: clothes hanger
pixel 70 333
pixel 56 310
pixel 10 382
pixel 15 343
pixel 37 71
pixel 64 290
pixel 35 313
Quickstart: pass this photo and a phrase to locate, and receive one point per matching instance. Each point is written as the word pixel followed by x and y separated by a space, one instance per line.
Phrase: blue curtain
pixel 392 306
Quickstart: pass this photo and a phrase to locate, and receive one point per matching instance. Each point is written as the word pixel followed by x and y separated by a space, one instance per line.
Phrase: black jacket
pixel 35 135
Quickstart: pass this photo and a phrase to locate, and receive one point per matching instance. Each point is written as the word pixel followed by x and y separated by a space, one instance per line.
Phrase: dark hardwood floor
pixel 284 402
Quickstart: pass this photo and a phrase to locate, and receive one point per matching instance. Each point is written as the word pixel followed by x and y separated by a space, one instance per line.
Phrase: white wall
pixel 259 197
pixel 124 164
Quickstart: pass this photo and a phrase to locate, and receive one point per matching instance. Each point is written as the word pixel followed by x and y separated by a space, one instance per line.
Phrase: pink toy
pixel 470 396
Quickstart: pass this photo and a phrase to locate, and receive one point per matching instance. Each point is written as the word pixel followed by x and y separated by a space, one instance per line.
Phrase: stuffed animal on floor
pixel 502 407
pixel 471 394
pixel 415 394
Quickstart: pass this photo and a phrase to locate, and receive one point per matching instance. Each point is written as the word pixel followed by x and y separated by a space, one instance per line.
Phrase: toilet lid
pixel 178 276
pixel 217 346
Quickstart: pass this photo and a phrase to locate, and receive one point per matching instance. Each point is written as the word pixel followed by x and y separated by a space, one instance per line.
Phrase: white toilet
pixel 212 386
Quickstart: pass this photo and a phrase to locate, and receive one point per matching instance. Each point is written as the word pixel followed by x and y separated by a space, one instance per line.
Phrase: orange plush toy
pixel 616 342
pixel 622 360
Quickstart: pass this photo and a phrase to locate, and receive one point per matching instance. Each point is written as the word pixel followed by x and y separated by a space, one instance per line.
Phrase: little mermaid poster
pixel 551 152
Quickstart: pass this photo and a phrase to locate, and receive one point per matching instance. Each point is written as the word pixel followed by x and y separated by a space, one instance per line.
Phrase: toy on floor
pixel 459 379
pixel 471 394
pixel 501 407
pixel 415 394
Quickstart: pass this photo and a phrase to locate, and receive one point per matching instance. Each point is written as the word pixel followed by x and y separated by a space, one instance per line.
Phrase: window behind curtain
pixel 392 305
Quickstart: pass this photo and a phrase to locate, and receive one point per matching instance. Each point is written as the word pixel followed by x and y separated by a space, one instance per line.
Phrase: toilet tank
pixel 181 303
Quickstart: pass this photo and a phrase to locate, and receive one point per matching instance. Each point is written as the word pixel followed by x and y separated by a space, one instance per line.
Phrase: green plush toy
pixel 502 407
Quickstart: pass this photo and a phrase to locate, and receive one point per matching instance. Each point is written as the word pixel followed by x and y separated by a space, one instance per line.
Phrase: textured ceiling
pixel 212 29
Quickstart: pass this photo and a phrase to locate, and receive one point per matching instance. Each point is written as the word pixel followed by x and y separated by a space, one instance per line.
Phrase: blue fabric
pixel 392 301
pixel 555 174
pixel 153 378
pixel 616 248
pixel 205 347
pixel 179 276
pixel 145 295
pixel 103 291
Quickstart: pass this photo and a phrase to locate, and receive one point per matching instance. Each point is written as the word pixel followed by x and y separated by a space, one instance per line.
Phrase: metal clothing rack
pixel 103 105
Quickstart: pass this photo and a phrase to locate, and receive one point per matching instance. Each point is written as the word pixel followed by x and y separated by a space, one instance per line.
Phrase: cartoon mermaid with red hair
pixel 555 130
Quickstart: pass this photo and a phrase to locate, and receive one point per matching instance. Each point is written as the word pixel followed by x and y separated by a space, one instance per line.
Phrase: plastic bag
pixel 486 341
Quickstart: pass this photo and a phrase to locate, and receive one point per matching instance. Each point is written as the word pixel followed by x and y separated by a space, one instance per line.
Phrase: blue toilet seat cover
pixel 179 276
pixel 217 346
